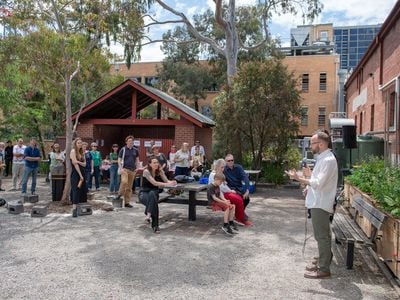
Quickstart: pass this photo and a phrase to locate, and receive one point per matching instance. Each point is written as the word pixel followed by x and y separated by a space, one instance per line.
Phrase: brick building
pixel 146 113
pixel 373 89
pixel 318 84
pixel 317 81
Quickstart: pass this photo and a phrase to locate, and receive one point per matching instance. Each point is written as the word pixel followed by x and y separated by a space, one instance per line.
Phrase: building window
pixel 137 79
pixel 321 116
pixel 304 116
pixel 371 127
pixel 323 37
pixel 392 108
pixel 304 82
pixel 151 81
pixel 206 111
pixel 322 82
pixel 361 123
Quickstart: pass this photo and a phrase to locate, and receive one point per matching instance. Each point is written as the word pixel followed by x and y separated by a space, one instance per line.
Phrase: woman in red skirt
pixel 231 195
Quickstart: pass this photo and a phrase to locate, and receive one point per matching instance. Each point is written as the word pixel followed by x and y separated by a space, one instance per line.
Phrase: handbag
pixel 120 167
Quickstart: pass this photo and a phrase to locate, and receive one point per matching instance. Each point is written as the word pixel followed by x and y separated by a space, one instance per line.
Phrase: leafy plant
pixel 273 172
pixel 383 184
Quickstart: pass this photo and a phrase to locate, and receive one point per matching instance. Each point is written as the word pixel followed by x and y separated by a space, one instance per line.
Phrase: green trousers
pixel 323 236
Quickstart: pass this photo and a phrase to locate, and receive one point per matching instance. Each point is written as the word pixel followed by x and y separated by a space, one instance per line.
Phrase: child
pixel 218 202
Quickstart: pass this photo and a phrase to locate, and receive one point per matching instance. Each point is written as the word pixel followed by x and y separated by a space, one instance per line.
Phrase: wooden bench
pixel 347 232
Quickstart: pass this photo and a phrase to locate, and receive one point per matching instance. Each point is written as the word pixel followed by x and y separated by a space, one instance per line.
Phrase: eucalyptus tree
pixel 226 23
pixel 76 30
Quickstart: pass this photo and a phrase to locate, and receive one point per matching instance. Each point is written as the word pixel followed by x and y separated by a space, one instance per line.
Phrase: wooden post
pixel 134 104
pixel 158 110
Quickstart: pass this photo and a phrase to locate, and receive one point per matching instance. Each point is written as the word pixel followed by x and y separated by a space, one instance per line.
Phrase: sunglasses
pixel 229 160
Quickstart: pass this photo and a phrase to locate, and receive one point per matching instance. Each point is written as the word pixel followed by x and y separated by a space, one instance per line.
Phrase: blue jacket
pixel 235 176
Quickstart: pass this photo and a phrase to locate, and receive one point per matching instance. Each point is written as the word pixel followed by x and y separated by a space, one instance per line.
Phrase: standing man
pixel 8 158
pixel 235 175
pixel 128 161
pixel 320 198
pixel 18 163
pixel 32 158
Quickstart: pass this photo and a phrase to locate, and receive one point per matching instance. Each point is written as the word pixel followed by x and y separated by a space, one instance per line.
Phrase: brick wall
pixel 313 65
pixel 183 134
pixel 85 131
pixel 367 78
pixel 204 135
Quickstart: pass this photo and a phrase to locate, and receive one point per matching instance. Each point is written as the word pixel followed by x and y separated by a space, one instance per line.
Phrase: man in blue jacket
pixel 32 158
pixel 235 175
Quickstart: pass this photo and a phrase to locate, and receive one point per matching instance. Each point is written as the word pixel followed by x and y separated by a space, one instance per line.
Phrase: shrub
pixel 273 172
pixel 383 184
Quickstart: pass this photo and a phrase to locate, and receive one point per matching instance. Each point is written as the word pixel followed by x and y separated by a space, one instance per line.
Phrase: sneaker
pixel 117 197
pixel 128 205
pixel 33 193
pixel 227 230
pixel 234 228
pixel 248 224
pixel 98 189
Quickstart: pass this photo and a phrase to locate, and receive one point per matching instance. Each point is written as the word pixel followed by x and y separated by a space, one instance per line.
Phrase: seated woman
pixel 196 170
pixel 229 194
pixel 153 179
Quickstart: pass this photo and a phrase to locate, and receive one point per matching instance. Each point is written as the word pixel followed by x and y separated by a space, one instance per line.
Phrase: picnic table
pixel 193 189
pixel 256 173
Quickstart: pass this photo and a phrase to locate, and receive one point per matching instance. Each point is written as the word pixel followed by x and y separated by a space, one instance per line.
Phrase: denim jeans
pixel 114 178
pixel 96 175
pixel 29 171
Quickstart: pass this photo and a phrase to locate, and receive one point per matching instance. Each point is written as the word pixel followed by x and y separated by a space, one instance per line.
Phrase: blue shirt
pixel 32 152
pixel 128 156
pixel 235 176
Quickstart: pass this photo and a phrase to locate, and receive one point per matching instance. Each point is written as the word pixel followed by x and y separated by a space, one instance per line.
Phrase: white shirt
pixel 201 151
pixel 223 187
pixel 19 150
pixel 182 159
pixel 321 191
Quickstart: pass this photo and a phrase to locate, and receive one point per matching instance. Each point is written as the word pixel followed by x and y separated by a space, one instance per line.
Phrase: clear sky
pixel 338 12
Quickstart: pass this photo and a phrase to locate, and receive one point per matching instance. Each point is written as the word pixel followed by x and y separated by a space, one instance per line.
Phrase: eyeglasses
pixel 229 160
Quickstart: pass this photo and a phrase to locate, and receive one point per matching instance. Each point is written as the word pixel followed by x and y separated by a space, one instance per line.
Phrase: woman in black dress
pixel 153 179
pixel 78 183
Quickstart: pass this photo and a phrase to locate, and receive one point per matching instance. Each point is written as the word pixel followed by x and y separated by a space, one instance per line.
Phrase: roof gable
pixel 117 104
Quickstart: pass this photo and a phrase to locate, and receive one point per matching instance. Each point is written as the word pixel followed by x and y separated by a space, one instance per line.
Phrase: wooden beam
pixel 134 104
pixel 138 122
pixel 158 110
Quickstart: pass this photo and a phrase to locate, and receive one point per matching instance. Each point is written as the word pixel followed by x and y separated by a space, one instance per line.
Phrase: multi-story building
pixel 373 89
pixel 351 43
pixel 318 83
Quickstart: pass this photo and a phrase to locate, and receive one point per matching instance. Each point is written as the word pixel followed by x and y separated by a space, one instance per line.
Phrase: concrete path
pixel 114 255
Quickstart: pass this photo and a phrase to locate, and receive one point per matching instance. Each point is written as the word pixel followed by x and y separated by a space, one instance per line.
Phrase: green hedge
pixel 383 184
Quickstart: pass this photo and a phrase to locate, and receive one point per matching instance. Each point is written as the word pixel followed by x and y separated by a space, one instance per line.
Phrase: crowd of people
pixel 225 192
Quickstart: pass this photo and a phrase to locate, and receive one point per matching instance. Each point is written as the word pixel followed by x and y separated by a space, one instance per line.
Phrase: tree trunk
pixel 232 44
pixel 68 140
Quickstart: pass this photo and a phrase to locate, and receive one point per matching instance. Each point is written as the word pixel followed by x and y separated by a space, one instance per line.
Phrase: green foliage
pixel 366 175
pixel 263 112
pixel 383 184
pixel 273 172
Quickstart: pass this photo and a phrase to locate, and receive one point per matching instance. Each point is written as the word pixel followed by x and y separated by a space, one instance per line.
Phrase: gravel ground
pixel 114 255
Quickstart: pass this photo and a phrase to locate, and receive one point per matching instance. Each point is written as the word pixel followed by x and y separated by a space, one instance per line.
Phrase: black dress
pixel 78 195
pixel 148 196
